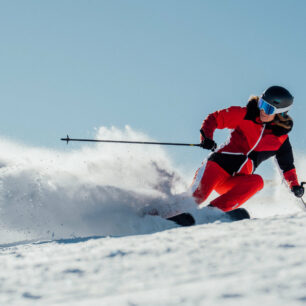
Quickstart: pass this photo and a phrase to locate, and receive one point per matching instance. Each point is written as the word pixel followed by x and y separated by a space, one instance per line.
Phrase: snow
pixel 74 231
pixel 247 262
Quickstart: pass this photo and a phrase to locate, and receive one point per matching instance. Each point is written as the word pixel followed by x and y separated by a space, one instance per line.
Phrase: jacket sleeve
pixel 225 118
pixel 284 157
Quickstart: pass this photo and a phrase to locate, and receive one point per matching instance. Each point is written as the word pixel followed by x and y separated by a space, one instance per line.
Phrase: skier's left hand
pixel 298 190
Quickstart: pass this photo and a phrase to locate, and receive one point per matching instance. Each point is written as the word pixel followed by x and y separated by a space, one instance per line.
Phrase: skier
pixel 259 131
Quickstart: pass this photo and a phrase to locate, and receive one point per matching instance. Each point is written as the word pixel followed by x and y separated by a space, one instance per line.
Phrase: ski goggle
pixel 270 109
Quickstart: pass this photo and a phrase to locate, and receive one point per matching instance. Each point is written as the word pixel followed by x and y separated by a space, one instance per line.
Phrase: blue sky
pixel 69 66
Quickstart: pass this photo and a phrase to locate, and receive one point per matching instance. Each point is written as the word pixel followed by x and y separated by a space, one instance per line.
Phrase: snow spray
pixel 100 189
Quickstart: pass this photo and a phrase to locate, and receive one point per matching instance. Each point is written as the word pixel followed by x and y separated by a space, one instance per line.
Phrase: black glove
pixel 298 191
pixel 208 144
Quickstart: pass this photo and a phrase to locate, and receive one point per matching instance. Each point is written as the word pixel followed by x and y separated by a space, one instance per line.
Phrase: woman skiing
pixel 259 131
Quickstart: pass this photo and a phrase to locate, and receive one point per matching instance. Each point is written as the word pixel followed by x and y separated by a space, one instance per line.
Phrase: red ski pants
pixel 233 190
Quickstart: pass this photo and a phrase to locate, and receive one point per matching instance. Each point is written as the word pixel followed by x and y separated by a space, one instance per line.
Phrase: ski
pixel 183 219
pixel 238 214
pixel 186 219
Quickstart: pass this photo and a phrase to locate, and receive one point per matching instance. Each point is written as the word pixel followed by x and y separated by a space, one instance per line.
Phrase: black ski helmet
pixel 278 97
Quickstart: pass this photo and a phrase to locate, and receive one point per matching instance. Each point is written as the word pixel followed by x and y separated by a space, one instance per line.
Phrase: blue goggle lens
pixel 268 108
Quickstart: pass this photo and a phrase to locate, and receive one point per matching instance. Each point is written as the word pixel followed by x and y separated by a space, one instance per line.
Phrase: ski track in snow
pixel 74 230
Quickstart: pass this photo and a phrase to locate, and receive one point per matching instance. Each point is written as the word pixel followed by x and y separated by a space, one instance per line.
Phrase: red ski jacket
pixel 251 141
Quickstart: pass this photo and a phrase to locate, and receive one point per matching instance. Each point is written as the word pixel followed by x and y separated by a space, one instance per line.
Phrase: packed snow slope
pixel 251 262
pixel 75 230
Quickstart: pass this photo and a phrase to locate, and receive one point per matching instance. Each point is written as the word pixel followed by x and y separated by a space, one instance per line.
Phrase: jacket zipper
pixel 247 155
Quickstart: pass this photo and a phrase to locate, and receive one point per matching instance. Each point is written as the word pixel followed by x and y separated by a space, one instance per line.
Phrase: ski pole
pixel 67 139
pixel 302 184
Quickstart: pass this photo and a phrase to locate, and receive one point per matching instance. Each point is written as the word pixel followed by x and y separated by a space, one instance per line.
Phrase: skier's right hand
pixel 208 144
